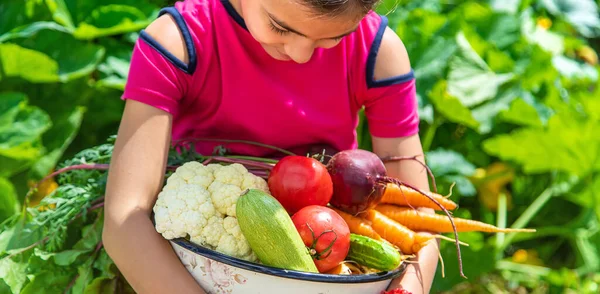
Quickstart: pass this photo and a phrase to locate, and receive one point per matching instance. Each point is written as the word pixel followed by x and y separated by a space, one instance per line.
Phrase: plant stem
pixel 430 133
pixel 501 223
pixel 243 162
pixel 523 268
pixel 183 141
pixel 535 207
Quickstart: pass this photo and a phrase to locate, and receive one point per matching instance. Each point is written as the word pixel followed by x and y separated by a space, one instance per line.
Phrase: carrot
pixel 358 225
pixel 405 196
pixel 409 241
pixel 414 220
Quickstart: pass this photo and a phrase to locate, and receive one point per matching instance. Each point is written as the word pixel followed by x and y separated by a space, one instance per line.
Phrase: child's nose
pixel 300 52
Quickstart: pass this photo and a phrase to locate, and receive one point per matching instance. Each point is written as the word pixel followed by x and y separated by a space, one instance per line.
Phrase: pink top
pixel 232 89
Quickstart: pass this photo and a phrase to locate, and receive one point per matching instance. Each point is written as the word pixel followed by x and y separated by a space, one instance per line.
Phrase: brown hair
pixel 341 7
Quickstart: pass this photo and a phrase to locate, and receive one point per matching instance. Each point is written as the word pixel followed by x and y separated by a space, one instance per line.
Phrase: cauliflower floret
pixel 226 197
pixel 231 174
pixel 253 182
pixel 180 212
pixel 200 201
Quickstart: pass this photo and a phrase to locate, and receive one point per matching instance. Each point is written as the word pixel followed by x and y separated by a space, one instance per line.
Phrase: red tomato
pixel 325 233
pixel 300 181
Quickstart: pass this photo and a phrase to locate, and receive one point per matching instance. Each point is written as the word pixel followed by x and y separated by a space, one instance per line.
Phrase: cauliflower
pixel 199 202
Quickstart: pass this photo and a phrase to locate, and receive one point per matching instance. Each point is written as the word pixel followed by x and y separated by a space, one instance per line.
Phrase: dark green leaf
pixel 57 139
pixel 101 285
pixel 16 13
pixel 60 13
pixel 445 162
pixel 105 265
pixel 75 58
pixel 85 276
pixel 31 29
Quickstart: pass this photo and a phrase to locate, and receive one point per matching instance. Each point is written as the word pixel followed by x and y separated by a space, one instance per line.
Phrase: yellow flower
pixel 492 181
pixel 44 189
pixel 544 22
pixel 527 256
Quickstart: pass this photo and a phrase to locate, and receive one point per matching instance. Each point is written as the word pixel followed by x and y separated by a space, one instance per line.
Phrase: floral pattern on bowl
pixel 221 277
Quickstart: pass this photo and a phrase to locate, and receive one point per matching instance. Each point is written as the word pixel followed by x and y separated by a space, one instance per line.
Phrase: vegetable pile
pixel 346 216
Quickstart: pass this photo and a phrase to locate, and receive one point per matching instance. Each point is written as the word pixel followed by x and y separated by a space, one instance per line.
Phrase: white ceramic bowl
pixel 220 273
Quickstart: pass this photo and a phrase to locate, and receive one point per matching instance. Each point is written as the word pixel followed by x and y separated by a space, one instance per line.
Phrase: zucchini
pixel 271 233
pixel 379 255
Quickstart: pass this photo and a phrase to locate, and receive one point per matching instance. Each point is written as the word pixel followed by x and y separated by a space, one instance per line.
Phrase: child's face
pixel 288 30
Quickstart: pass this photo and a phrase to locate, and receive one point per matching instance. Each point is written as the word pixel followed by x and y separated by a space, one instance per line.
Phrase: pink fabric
pixel 239 92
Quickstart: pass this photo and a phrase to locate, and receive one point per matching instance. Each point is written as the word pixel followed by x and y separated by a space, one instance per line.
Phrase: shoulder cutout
pixel 169 35
pixel 388 62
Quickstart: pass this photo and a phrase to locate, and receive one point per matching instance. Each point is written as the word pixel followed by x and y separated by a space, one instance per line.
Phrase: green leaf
pixel 508 6
pixel 48 282
pixel 9 203
pixel 565 145
pixel 20 133
pixel 85 276
pixel 444 162
pixel 573 69
pixel 32 29
pixel 548 40
pixel 60 13
pixel 30 65
pixel 105 265
pixel 28 125
pixel 452 167
pixel 521 113
pixel 101 285
pixel 13 273
pixel 17 13
pixel 485 114
pixel 111 20
pixel 582 14
pixel 75 58
pixel 57 140
pixel 450 107
pixel 62 258
pixel 470 79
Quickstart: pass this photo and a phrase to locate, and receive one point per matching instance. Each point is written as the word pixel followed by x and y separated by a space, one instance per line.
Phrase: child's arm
pixel 135 177
pixel 418 277
pixel 391 111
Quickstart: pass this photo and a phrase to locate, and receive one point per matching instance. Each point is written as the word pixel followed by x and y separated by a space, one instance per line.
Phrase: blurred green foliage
pixel 510 114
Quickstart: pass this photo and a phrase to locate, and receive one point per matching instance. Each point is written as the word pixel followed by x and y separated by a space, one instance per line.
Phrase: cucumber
pixel 271 233
pixel 374 254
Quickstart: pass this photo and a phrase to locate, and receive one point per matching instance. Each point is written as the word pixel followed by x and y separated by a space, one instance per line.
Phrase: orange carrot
pixel 358 225
pixel 405 196
pixel 416 221
pixel 407 240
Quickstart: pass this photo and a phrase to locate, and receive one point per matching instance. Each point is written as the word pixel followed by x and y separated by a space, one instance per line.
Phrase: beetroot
pixel 358 180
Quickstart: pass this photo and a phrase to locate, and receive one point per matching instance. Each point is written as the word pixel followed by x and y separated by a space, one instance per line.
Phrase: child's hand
pixel 396 291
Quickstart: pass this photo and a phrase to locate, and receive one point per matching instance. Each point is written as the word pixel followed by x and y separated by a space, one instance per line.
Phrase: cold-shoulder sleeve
pixel 153 79
pixel 390 104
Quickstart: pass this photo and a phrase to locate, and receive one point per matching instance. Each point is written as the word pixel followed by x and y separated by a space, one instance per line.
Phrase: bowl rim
pixel 290 274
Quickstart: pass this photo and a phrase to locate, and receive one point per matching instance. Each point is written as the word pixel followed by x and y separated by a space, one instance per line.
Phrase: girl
pixel 289 73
